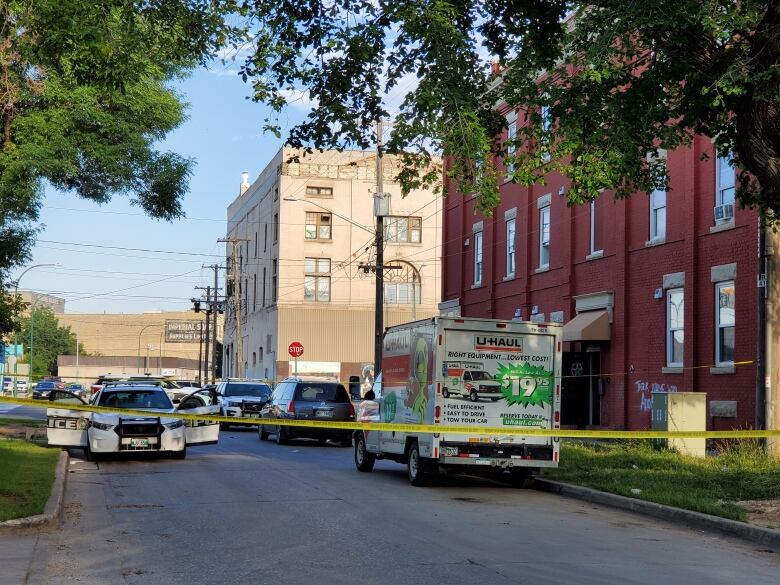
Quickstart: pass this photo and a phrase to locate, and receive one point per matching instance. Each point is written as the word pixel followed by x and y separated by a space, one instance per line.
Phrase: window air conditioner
pixel 724 212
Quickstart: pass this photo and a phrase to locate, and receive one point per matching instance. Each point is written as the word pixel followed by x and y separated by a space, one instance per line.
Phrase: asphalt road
pixel 253 512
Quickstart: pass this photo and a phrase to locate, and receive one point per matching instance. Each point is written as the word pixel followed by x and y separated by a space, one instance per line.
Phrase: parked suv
pixel 242 398
pixel 308 399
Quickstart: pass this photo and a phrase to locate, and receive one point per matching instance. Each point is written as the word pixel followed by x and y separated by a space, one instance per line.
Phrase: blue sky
pixel 223 134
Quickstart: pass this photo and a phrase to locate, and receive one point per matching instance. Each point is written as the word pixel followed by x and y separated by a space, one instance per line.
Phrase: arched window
pixel 402 286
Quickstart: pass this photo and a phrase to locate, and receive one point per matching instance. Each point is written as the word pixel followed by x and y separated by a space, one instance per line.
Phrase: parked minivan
pixel 308 399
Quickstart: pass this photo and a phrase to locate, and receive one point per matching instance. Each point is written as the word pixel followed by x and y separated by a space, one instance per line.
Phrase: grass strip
pixel 26 477
pixel 712 485
pixel 24 422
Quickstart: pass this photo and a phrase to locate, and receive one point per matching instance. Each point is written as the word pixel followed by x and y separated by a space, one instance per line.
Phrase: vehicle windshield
pixel 136 398
pixel 322 392
pixel 244 389
pixel 481 376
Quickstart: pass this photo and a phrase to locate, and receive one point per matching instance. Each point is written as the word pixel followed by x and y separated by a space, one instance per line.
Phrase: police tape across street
pixel 416 428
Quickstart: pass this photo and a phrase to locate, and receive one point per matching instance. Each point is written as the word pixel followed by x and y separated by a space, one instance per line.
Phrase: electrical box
pixel 681 411
pixel 381 204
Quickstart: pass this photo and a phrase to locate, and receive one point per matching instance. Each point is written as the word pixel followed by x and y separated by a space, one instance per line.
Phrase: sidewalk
pixel 17 550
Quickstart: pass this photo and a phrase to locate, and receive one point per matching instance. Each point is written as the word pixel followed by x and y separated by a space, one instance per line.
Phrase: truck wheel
pixel 364 461
pixel 262 434
pixel 281 436
pixel 415 466
pixel 473 396
pixel 445 392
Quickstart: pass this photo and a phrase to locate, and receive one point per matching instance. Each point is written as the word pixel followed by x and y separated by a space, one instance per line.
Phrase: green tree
pixel 85 95
pixel 48 339
pixel 621 79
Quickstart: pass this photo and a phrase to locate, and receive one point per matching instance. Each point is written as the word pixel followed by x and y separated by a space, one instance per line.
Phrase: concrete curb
pixel 53 508
pixel 764 536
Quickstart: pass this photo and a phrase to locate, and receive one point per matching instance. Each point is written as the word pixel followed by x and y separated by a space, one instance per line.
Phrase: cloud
pixel 300 100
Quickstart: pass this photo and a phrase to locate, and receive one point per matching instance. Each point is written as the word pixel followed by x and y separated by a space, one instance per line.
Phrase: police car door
pixel 65 427
pixel 200 432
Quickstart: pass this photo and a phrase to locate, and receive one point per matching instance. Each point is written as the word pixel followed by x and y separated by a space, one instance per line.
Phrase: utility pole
pixel 380 244
pixel 200 355
pixel 236 269
pixel 208 328
pixel 215 312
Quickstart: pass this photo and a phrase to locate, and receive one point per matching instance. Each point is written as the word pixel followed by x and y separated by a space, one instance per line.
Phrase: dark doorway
pixel 580 389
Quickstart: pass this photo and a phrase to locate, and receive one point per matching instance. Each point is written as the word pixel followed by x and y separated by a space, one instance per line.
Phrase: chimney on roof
pixel 244 182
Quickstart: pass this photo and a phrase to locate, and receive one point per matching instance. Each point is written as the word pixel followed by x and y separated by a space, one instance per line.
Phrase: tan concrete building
pixel 303 229
pixel 166 334
pixel 36 299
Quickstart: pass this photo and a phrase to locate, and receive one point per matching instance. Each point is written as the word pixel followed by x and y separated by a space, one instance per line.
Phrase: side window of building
pixel 274 279
pixel 318 226
pixel 725 322
pixel 403 230
pixel 546 126
pixel 544 237
pixel 511 148
pixel 477 258
pixel 265 239
pixel 510 248
pixel 276 227
pixel 725 189
pixel 316 280
pixel 675 330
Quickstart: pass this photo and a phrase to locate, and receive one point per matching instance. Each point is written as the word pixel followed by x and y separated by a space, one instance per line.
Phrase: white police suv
pixel 108 432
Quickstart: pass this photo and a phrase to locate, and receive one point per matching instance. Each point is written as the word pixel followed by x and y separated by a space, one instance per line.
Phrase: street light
pixel 16 341
pixel 144 328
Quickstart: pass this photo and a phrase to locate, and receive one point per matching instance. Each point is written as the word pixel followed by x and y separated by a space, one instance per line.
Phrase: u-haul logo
pixel 497 343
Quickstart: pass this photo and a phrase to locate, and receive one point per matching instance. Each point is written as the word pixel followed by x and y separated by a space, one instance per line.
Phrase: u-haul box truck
pixel 465 372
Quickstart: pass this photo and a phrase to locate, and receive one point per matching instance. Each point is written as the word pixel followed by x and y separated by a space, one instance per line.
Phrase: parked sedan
pixel 43 389
pixel 102 432
pixel 308 399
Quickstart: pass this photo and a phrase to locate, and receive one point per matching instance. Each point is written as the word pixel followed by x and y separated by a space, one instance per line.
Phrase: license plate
pixel 252 414
pixel 139 442
pixel 324 413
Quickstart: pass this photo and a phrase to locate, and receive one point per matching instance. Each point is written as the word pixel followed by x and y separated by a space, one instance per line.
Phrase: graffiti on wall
pixel 646 389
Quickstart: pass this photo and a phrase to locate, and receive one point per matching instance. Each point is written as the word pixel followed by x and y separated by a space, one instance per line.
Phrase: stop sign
pixel 295 349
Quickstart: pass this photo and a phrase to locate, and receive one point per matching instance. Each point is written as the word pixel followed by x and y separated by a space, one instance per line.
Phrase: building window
pixel 594 245
pixel 265 239
pixel 727 180
pixel 477 258
pixel 276 192
pixel 657 214
pixel 255 244
pixel 276 227
pixel 260 351
pixel 402 287
pixel 544 237
pixel 264 281
pixel 254 292
pixel 316 280
pixel 511 147
pixel 675 328
pixel 724 323
pixel 546 125
pixel 510 248
pixel 274 265
pixel 312 191
pixel 318 226
pixel 403 230
pixel 254 359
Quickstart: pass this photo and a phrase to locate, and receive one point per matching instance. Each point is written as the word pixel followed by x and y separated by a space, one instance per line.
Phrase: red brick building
pixel 654 291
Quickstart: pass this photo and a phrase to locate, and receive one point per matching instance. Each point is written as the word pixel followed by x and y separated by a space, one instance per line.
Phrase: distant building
pixel 36 299
pixel 304 228
pixel 141 342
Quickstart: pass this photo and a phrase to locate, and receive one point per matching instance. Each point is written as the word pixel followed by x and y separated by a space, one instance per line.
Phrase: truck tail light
pixel 555 456
pixel 557 416
pixel 437 412
pixel 291 407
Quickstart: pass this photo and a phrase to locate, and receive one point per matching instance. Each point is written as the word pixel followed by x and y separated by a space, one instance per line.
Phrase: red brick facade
pixel 634 361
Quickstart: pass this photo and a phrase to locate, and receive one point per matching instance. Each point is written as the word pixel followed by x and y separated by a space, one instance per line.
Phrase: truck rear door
pixel 512 379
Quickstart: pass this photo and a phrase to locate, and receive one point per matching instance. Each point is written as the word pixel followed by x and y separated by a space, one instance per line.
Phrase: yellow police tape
pixel 411 428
